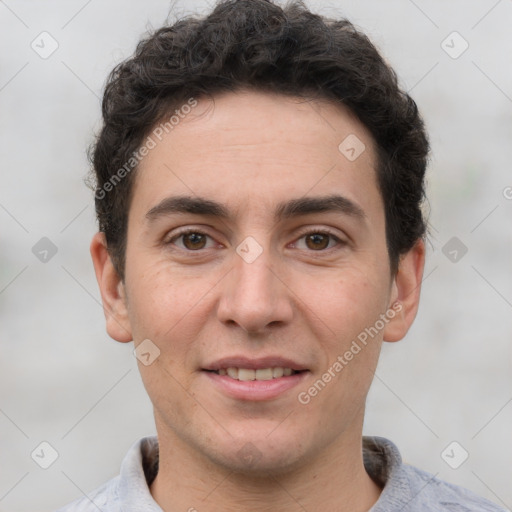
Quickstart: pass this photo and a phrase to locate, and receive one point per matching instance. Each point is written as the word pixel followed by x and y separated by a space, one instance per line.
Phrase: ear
pixel 405 292
pixel 112 291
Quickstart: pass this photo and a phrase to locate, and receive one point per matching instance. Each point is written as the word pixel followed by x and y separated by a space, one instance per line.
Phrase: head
pixel 282 143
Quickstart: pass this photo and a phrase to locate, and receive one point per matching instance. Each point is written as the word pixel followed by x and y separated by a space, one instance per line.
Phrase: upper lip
pixel 255 363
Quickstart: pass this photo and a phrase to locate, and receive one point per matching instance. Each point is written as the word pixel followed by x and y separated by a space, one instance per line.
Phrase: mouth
pixel 248 374
pixel 249 379
pixel 255 379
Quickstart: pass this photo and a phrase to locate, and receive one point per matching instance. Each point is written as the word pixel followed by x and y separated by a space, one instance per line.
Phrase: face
pixel 256 244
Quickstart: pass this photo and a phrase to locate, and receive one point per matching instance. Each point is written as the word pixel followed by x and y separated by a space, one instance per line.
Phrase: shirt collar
pixel 134 494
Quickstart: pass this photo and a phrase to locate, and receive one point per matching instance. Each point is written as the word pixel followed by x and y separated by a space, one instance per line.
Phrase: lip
pixel 255 363
pixel 254 390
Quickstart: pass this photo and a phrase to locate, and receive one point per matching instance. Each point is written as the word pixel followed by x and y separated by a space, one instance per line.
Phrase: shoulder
pixel 129 488
pixel 436 494
pixel 410 489
pixel 104 498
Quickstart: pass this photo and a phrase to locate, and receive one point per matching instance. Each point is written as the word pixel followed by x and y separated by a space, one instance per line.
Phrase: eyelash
pixel 302 235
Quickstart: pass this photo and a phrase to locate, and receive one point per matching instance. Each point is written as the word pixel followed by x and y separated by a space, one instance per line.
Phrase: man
pixel 259 188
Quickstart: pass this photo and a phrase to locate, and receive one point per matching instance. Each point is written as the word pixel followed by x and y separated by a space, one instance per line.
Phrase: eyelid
pixel 320 230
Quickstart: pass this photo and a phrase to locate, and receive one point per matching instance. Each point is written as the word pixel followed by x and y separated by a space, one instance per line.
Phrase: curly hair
pixel 259 45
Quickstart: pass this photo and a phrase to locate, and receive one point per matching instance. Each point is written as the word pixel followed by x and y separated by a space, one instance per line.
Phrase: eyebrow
pixel 284 210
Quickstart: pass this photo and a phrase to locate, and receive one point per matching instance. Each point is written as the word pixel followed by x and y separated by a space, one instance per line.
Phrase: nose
pixel 254 295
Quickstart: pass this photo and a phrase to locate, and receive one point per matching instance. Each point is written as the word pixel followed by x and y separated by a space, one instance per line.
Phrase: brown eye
pixel 317 241
pixel 194 241
pixel 191 240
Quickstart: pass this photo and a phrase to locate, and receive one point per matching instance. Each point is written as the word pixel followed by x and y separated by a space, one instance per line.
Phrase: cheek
pixel 344 302
pixel 152 306
pixel 167 389
pixel 170 309
pixel 159 298
pixel 344 312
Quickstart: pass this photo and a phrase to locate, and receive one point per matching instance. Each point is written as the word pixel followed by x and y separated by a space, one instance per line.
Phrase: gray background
pixel 62 380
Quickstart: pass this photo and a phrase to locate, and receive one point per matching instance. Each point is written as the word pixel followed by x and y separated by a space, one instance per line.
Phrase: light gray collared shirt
pixel 405 488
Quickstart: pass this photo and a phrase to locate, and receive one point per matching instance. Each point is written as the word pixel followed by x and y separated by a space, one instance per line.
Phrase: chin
pixel 253 463
pixel 258 456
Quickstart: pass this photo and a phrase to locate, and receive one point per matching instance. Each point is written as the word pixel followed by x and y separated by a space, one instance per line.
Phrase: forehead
pixel 254 149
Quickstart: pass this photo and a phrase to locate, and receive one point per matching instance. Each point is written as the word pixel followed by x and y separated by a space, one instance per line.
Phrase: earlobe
pixel 406 292
pixel 112 291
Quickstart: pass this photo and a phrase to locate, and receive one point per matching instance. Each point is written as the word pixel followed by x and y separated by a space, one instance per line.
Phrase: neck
pixel 333 480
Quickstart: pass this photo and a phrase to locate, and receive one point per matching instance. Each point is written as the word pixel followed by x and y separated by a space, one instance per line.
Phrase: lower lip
pixel 255 389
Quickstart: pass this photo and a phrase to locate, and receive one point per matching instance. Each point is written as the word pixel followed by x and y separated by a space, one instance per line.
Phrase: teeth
pixel 246 374
pixel 264 374
pixel 277 372
pixel 233 373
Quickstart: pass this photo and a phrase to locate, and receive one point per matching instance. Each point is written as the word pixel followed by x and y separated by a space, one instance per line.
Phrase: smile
pixel 248 384
pixel 247 374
